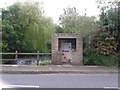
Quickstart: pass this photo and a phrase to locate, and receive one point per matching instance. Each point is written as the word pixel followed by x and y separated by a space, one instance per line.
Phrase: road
pixel 61 80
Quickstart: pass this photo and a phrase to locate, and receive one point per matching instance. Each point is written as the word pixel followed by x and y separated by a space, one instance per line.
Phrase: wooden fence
pixel 17 58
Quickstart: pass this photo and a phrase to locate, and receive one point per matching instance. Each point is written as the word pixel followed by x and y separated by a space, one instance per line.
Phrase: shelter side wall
pixel 56 57
pixel 77 57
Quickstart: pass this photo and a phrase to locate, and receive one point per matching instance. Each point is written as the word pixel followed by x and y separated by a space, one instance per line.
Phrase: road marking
pixel 14 65
pixel 112 88
pixel 27 86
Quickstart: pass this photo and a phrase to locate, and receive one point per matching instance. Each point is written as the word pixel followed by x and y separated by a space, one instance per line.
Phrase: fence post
pixel 16 55
pixel 37 58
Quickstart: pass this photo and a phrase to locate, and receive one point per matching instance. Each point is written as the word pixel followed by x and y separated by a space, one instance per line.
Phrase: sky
pixel 54 8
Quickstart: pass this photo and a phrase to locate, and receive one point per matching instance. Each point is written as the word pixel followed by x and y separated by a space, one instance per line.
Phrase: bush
pixel 89 60
pixel 100 60
pixel 118 59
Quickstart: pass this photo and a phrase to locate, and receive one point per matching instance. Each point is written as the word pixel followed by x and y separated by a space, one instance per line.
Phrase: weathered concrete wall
pixel 77 56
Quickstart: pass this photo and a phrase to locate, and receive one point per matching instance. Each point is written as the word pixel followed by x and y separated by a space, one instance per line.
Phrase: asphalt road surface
pixel 60 80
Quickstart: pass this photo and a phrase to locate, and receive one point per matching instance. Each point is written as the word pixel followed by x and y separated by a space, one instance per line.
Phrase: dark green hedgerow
pixel 100 60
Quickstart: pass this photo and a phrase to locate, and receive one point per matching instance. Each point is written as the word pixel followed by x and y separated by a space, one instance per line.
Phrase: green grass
pixel 45 63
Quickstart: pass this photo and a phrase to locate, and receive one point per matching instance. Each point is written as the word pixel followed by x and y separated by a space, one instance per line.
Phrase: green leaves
pixel 4 46
pixel 72 22
pixel 107 37
pixel 25 28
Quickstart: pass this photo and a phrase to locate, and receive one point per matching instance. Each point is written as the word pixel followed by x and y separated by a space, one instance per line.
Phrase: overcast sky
pixel 54 8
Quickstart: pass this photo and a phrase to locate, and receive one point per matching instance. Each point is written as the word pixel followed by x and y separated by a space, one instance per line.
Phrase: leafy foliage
pixel 72 22
pixel 40 28
pixel 101 60
pixel 105 43
pixel 12 29
pixel 110 20
pixel 25 28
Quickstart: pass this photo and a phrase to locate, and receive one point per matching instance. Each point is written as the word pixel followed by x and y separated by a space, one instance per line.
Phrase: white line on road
pixel 112 88
pixel 26 86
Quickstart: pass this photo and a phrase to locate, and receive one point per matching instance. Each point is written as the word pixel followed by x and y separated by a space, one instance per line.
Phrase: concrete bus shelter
pixel 67 48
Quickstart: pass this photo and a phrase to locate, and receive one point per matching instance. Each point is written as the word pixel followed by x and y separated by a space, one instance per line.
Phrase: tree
pixel 12 29
pixel 72 22
pixel 109 37
pixel 58 29
pixel 25 28
pixel 39 28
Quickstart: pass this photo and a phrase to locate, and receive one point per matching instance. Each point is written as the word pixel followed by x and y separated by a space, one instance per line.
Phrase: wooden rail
pixel 16 56
pixel 26 53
